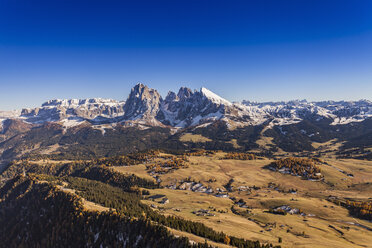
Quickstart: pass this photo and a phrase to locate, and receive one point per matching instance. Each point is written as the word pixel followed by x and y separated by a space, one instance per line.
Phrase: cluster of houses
pixel 286 170
pixel 203 212
pixel 200 188
pixel 289 210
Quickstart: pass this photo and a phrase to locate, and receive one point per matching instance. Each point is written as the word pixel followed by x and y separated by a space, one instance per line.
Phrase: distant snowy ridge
pixel 74 111
pixel 80 102
pixel 10 114
pixel 341 112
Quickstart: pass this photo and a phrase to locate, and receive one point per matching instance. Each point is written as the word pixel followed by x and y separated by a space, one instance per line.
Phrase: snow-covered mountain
pixel 145 106
pixel 341 112
pixel 74 111
pixel 189 108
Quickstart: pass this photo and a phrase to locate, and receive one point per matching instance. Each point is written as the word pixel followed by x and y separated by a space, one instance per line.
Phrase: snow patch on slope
pixel 345 120
pixel 72 122
pixel 214 97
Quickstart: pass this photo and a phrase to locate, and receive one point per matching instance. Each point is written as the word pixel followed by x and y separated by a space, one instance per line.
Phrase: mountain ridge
pixel 146 120
pixel 145 106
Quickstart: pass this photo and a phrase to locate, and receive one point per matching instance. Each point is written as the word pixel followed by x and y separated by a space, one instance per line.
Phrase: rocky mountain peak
pixel 184 93
pixel 171 96
pixel 190 108
pixel 142 102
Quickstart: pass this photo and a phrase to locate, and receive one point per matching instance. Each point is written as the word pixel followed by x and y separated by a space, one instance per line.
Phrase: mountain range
pixel 188 108
pixel 291 125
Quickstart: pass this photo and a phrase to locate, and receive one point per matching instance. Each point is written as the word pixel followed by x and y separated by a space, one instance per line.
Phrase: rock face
pixel 190 108
pixel 142 105
pixel 145 106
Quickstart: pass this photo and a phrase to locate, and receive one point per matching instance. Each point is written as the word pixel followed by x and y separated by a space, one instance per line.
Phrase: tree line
pixel 239 156
pixel 357 208
pixel 298 166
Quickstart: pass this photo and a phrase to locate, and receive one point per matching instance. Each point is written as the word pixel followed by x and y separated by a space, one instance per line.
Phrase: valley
pixel 234 193
pixel 320 217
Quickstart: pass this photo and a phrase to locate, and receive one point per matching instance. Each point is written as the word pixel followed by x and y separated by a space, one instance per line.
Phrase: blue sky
pixel 254 50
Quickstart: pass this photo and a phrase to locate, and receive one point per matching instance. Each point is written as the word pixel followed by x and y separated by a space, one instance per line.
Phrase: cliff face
pixel 143 104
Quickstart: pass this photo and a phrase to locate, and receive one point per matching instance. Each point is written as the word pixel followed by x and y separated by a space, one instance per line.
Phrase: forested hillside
pixel 130 223
pixel 34 214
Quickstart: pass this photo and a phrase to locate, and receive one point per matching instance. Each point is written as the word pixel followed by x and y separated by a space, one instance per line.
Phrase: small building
pixel 196 186
pixel 222 195
pixel 164 201
pixel 209 191
pixel 243 188
pixel 201 189
pixel 183 186
pixel 172 186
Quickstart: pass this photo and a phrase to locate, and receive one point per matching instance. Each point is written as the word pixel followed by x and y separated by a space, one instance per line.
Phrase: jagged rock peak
pixel 141 91
pixel 184 93
pixel 171 96
pixel 142 102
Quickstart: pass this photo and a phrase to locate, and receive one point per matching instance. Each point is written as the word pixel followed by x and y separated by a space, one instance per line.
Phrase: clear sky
pixel 255 50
